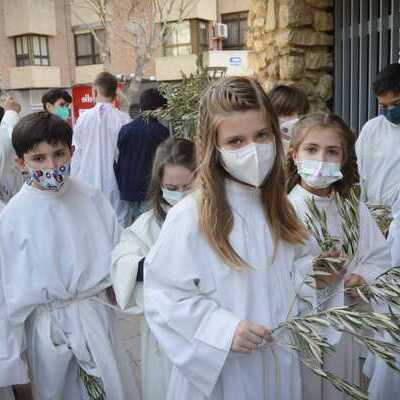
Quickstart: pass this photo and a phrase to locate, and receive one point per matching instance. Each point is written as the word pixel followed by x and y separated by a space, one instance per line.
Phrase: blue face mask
pixel 392 114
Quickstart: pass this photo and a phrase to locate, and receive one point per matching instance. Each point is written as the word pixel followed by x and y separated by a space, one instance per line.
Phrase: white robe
pixel 11 179
pixel 59 246
pixel 371 259
pixel 379 161
pixel 385 382
pixel 135 244
pixel 95 140
pixel 13 370
pixel 194 303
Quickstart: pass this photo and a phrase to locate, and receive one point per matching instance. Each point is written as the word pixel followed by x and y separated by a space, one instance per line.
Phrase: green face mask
pixel 62 112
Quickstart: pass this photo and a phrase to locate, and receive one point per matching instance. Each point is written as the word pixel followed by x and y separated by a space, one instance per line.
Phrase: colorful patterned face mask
pixel 51 178
pixel 319 174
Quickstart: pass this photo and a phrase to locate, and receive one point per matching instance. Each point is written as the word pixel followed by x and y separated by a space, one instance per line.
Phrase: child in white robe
pixel 173 172
pixel 385 382
pixel 321 161
pixel 56 236
pixel 221 274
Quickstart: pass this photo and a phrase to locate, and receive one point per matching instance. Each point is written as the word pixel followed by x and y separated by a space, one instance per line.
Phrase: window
pixel 178 39
pixel 237 30
pixel 32 50
pixel 204 37
pixel 87 48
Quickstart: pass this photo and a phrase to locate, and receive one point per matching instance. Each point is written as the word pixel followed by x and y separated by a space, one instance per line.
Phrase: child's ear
pixel 20 162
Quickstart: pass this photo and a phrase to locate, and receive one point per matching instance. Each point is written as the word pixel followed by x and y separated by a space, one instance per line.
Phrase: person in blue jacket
pixel 137 144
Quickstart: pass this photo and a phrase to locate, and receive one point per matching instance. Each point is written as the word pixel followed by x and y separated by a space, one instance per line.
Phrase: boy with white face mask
pixel 321 161
pixel 378 145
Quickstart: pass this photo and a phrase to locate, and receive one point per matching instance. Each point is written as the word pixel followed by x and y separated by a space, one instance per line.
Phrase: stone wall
pixel 291 42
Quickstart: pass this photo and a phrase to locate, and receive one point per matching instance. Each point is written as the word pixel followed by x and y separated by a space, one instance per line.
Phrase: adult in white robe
pixel 95 140
pixel 59 245
pixel 136 242
pixel 194 303
pixel 11 179
pixel 372 258
pixel 379 161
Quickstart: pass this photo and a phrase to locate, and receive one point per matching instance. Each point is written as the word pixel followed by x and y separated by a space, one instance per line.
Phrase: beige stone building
pixel 50 43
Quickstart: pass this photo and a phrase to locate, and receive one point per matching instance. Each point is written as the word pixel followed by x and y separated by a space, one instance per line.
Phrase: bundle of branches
pixel 304 331
pixel 383 216
pixel 183 100
pixel 317 225
pixel 310 344
pixel 93 385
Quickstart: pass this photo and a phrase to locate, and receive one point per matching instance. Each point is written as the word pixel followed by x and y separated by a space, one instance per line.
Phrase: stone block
pixel 307 37
pixel 273 70
pixel 271 22
pixel 258 22
pixel 295 16
pixel 319 60
pixel 325 87
pixel 323 21
pixel 291 67
pixel 321 3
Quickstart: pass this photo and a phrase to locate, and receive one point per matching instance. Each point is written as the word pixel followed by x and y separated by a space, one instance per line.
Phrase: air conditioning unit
pixel 220 31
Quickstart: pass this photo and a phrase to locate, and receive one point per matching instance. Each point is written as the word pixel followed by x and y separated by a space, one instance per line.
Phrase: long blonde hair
pixel 216 218
pixel 347 138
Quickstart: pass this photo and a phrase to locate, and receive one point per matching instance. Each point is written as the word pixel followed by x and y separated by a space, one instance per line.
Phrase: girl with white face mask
pixel 222 273
pixel 172 176
pixel 321 162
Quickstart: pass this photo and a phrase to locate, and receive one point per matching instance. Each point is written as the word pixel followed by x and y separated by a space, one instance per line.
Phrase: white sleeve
pixel 10 119
pixel 193 329
pixel 359 147
pixel 76 141
pixel 13 368
pixel 394 240
pixel 125 259
pixel 373 254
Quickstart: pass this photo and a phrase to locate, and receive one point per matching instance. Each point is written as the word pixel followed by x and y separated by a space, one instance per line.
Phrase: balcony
pixel 205 9
pixel 235 61
pixel 171 68
pixel 87 73
pixel 29 17
pixel 33 77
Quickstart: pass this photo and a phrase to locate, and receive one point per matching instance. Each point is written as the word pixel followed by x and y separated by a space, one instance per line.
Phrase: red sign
pixel 82 99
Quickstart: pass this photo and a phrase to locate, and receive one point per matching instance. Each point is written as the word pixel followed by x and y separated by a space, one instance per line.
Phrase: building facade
pixel 61 43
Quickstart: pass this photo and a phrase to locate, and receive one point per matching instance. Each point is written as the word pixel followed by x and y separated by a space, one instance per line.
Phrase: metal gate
pixel 367 36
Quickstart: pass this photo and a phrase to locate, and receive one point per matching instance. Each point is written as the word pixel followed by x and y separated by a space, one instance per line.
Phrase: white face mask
pixel 286 127
pixel 250 164
pixel 319 174
pixel 172 197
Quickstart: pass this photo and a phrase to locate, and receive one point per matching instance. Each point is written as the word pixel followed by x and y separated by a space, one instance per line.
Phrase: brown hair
pixel 176 151
pixel 106 84
pixel 347 137
pixel 237 94
pixel 288 100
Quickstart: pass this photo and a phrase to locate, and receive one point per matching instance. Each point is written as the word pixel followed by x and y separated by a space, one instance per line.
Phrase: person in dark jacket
pixel 137 144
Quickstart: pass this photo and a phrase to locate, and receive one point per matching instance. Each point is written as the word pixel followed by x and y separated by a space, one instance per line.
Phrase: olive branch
pixel 305 332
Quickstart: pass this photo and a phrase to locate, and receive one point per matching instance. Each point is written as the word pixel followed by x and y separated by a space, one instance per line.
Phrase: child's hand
pixel 354 280
pixel 332 277
pixel 249 336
